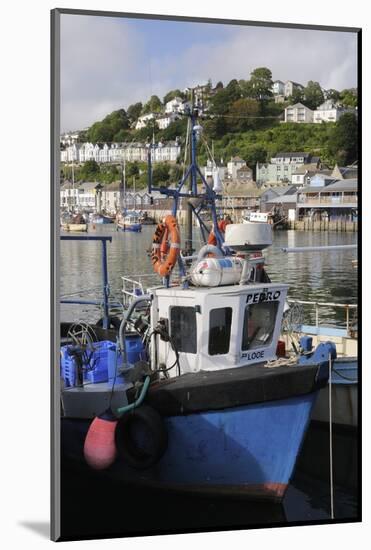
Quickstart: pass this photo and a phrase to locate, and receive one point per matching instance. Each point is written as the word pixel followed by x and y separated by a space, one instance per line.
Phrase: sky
pixel 109 63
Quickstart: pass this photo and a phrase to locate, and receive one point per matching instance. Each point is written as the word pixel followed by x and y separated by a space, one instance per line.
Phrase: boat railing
pixel 104 302
pixel 132 288
pixel 349 330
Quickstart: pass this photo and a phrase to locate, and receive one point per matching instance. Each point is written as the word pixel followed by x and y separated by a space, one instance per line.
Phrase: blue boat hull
pixel 136 227
pixel 247 451
pixel 103 220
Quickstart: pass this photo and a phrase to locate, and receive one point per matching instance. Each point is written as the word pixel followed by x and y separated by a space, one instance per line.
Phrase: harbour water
pixel 314 276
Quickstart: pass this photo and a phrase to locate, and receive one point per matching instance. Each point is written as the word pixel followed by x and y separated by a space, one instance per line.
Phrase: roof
pixel 114 186
pixel 335 186
pixel 309 167
pixel 292 155
pixel 89 185
pixel 295 83
pixel 342 185
pixel 68 185
pixel 237 159
pixel 241 190
pixel 286 199
pixel 298 105
pixel 244 169
pixel 282 190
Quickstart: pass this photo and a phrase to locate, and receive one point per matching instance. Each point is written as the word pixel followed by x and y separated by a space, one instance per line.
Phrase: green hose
pixel 139 401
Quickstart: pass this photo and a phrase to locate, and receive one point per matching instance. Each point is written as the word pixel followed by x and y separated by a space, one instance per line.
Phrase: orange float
pixel 222 224
pixel 163 256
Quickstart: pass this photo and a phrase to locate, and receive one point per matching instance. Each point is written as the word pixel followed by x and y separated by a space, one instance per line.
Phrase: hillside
pixel 242 119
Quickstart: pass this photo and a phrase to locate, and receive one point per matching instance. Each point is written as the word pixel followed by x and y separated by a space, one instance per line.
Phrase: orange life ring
pixel 221 225
pixel 164 257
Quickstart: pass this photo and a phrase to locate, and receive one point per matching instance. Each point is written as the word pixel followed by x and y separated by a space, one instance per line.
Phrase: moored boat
pixel 130 221
pixel 201 402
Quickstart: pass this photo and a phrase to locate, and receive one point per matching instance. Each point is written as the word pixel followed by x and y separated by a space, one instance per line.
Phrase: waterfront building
pixel 278 192
pixel 345 172
pixel 282 167
pixel 68 195
pixel 233 165
pixel 238 199
pixel 118 152
pixel 302 174
pixel 298 113
pixel 244 174
pixel 89 194
pixel 166 152
pixel 329 199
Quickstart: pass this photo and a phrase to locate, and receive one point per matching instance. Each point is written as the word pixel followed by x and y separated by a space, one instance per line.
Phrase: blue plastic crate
pixel 68 366
pixel 96 370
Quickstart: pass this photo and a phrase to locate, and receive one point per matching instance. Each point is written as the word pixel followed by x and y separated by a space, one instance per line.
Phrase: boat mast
pixel 191 184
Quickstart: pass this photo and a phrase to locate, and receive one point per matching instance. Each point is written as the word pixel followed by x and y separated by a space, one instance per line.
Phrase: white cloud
pixel 106 65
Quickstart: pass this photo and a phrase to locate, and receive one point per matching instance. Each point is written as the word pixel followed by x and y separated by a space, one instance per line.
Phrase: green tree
pixel 173 93
pixel 219 85
pixel 343 140
pixel 313 95
pixel 90 171
pixel 161 173
pixel 134 111
pixel 244 110
pixel 154 105
pixel 260 84
pixel 174 130
pixel 348 97
pixel 297 96
pixel 332 95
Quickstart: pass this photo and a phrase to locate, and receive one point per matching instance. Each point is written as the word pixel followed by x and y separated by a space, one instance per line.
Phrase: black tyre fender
pixel 113 322
pixel 147 418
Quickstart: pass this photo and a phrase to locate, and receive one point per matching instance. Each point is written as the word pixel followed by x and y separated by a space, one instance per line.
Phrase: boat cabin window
pixel 220 330
pixel 183 328
pixel 258 325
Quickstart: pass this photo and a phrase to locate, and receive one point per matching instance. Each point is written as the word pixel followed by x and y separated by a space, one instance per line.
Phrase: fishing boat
pixel 74 223
pixel 344 380
pixel 102 218
pixel 129 221
pixel 195 396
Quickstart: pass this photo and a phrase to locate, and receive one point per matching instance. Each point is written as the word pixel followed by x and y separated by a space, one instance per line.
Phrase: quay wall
pixel 324 225
pixel 301 225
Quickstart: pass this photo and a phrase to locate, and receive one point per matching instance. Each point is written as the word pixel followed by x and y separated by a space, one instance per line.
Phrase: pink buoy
pixel 99 447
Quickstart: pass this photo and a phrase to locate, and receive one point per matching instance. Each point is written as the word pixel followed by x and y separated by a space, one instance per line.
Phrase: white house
pixel 71 153
pixel 175 105
pixel 278 87
pixel 329 112
pixel 68 138
pixel 213 171
pixel 165 120
pixel 298 113
pixel 233 165
pixel 68 195
pixel 290 86
pixel 143 120
pixel 166 152
pixel 89 194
